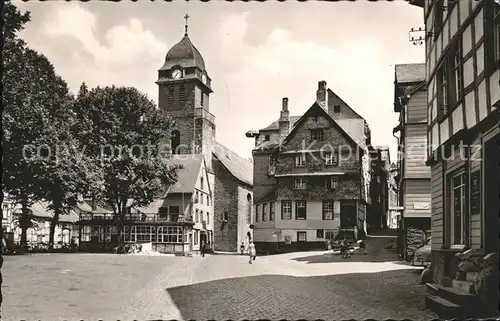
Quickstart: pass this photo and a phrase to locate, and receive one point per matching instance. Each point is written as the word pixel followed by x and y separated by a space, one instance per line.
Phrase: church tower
pixel 184 90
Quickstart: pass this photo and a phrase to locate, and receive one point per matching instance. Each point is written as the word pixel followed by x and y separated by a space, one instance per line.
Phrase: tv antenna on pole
pixel 417 36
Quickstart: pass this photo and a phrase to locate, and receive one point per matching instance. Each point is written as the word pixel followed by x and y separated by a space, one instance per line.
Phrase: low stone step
pixel 461 285
pixel 456 296
pixel 471 276
pixel 443 308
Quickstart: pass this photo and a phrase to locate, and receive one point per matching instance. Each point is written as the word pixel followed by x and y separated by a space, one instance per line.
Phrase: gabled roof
pixel 40 210
pixel 410 73
pixel 275 124
pixel 188 175
pixel 353 129
pixel 238 166
pixel 414 88
pixel 347 105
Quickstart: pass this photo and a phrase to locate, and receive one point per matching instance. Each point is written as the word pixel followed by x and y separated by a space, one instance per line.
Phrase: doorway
pixel 301 240
pixel 348 215
pixel 491 160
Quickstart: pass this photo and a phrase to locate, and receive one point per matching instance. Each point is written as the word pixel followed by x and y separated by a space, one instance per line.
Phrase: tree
pixel 65 173
pixel 22 117
pixel 124 133
pixel 13 21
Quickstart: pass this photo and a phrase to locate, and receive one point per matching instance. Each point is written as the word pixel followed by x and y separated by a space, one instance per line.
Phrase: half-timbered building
pixel 463 96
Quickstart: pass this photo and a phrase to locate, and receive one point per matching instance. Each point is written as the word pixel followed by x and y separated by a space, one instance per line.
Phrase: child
pixel 251 252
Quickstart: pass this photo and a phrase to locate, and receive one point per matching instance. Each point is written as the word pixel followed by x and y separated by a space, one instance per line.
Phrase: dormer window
pixel 336 108
pixel 266 138
pixel 316 134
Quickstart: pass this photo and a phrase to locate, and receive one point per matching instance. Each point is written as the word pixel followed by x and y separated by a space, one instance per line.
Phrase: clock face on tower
pixel 204 79
pixel 176 74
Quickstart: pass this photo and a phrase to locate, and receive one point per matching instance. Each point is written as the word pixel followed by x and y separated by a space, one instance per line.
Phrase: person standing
pixel 242 248
pixel 251 252
pixel 203 248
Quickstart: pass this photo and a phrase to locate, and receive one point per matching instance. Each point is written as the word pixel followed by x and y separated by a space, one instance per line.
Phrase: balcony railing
pixel 200 112
pixel 136 217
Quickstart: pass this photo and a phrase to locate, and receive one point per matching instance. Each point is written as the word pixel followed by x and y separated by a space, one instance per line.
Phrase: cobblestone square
pixel 88 286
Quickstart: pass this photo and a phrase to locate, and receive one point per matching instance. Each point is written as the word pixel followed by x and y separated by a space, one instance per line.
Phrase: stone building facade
pixel 311 175
pixel 184 91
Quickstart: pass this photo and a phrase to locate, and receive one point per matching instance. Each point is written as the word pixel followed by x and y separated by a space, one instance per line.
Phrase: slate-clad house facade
pixel 311 175
pixel 414 179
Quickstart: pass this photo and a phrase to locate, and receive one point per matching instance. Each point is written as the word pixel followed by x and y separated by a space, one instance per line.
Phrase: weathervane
pixel 417 35
pixel 186 26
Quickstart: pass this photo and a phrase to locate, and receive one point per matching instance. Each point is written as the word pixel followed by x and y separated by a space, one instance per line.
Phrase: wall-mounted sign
pixel 421 206
pixel 475 192
pixel 288 240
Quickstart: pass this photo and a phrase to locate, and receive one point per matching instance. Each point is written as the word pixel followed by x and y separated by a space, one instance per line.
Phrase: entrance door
pixel 348 215
pixel 491 202
pixel 301 240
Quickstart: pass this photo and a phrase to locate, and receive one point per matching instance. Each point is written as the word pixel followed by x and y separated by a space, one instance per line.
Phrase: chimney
pixel 284 122
pixel 321 94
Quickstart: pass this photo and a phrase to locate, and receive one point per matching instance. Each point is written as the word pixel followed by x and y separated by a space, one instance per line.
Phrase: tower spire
pixel 186 26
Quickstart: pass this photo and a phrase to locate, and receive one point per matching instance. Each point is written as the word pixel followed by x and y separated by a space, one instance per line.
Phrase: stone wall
pixel 225 200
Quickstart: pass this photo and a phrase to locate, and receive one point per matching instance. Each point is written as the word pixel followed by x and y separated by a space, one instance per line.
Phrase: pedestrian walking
pixel 203 248
pixel 251 252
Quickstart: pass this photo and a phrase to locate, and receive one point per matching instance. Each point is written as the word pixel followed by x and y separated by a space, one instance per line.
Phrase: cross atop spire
pixel 186 26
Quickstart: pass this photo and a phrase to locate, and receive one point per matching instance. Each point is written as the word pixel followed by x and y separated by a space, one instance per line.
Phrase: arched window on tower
pixel 170 95
pixel 175 141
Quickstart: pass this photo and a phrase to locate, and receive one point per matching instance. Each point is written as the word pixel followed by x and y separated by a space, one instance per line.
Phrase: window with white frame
pixel 208 218
pixel 286 210
pixel 195 237
pixel 208 200
pixel 300 183
pixel 85 236
pixel 300 160
pixel 328 210
pixel 331 182
pixel 264 212
pixel 197 216
pixel 272 165
pixel 329 234
pixel 257 213
pixel 302 236
pixel 331 159
pixel 170 234
pixel 144 233
pixel 271 211
pixel 457 215
pixel 300 210
pixel 201 198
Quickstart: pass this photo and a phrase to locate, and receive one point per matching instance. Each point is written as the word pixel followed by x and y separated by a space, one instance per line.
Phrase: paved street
pixel 88 286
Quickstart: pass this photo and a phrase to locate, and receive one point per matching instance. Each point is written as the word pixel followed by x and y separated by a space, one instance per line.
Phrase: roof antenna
pixel 186 26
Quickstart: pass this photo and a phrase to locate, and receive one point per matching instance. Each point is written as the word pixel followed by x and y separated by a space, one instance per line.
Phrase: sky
pixel 255 54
